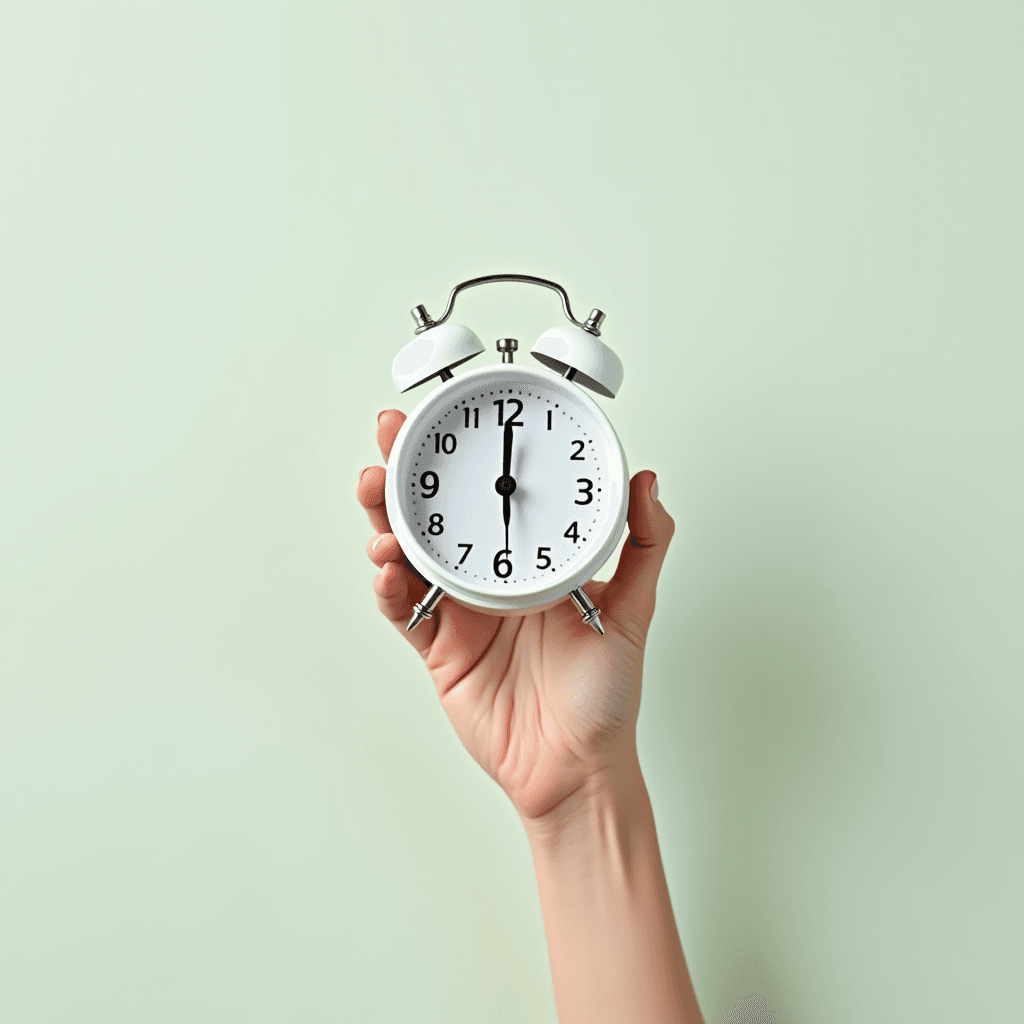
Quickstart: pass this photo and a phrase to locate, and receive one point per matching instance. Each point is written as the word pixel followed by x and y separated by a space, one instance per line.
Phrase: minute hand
pixel 505 485
pixel 506 461
pixel 506 472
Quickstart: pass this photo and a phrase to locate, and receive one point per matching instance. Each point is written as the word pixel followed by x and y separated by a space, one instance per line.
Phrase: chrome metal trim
pixel 424 321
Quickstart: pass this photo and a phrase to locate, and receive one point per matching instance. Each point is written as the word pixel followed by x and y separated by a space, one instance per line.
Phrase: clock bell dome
pixel 433 353
pixel 581 357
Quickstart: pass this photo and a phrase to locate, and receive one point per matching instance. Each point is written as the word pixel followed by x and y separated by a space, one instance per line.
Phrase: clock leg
pixel 425 609
pixel 591 615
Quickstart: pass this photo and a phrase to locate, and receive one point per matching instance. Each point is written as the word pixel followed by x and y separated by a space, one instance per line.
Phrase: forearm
pixel 612 938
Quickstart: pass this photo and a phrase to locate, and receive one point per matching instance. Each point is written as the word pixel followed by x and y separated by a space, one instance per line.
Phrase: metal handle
pixel 424 320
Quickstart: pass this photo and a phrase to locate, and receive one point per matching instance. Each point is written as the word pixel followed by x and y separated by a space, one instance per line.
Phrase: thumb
pixel 629 596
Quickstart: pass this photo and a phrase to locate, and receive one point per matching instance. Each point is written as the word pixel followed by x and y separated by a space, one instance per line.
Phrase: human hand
pixel 544 704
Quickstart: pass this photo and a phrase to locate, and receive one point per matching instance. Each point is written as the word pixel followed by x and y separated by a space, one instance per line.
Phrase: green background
pixel 228 790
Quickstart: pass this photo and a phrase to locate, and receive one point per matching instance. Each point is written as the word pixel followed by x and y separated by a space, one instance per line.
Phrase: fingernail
pixel 654 490
pixel 362 471
pixel 381 413
pixel 373 546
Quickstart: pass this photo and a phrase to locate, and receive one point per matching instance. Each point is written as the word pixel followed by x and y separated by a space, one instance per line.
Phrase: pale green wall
pixel 229 793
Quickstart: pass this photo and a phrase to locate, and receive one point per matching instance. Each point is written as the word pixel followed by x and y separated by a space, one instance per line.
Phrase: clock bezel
pixel 457 588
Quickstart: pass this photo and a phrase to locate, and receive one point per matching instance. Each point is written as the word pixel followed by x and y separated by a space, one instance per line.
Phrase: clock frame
pixel 523 599
pixel 571 352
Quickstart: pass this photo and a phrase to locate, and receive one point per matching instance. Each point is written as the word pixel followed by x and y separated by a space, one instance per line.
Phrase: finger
pixel 397 591
pixel 629 596
pixel 384 548
pixel 389 422
pixel 370 492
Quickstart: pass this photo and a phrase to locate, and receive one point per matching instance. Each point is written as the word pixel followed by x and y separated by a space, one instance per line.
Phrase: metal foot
pixel 425 609
pixel 591 615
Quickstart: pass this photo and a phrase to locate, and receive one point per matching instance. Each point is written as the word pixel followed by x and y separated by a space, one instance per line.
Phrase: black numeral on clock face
pixel 429 484
pixel 577 456
pixel 585 490
pixel 436 526
pixel 500 403
pixel 572 533
pixel 543 557
pixel 502 566
pixel 549 419
pixel 476 417
pixel 468 547
pixel 445 443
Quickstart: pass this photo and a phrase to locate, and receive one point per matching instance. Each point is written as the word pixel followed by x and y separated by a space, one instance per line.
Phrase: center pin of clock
pixel 505 485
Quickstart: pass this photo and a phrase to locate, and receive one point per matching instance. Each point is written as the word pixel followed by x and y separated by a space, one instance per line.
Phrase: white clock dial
pixel 447 487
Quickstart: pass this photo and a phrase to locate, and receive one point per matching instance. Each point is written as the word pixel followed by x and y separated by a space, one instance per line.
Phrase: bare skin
pixel 548 708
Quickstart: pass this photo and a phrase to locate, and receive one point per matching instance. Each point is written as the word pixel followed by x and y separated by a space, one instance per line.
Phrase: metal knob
pixel 506 346
pixel 594 321
pixel 422 318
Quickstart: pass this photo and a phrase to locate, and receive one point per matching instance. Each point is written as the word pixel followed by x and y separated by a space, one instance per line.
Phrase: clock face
pixel 515 441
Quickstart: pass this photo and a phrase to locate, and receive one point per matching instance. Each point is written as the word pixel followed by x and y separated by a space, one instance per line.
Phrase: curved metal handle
pixel 424 320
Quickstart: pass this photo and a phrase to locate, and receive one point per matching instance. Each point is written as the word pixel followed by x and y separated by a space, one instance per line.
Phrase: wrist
pixel 610 806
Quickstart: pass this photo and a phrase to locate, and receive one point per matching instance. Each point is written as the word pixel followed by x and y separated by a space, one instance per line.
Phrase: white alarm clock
pixel 507 487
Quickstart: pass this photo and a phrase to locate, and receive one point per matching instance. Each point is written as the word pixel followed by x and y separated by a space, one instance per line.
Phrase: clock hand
pixel 506 471
pixel 506 461
pixel 506 484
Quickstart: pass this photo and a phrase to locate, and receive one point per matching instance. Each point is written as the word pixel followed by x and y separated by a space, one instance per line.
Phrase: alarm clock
pixel 507 486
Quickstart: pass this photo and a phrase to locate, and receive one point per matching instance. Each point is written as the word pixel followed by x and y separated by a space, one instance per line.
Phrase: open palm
pixel 542 702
